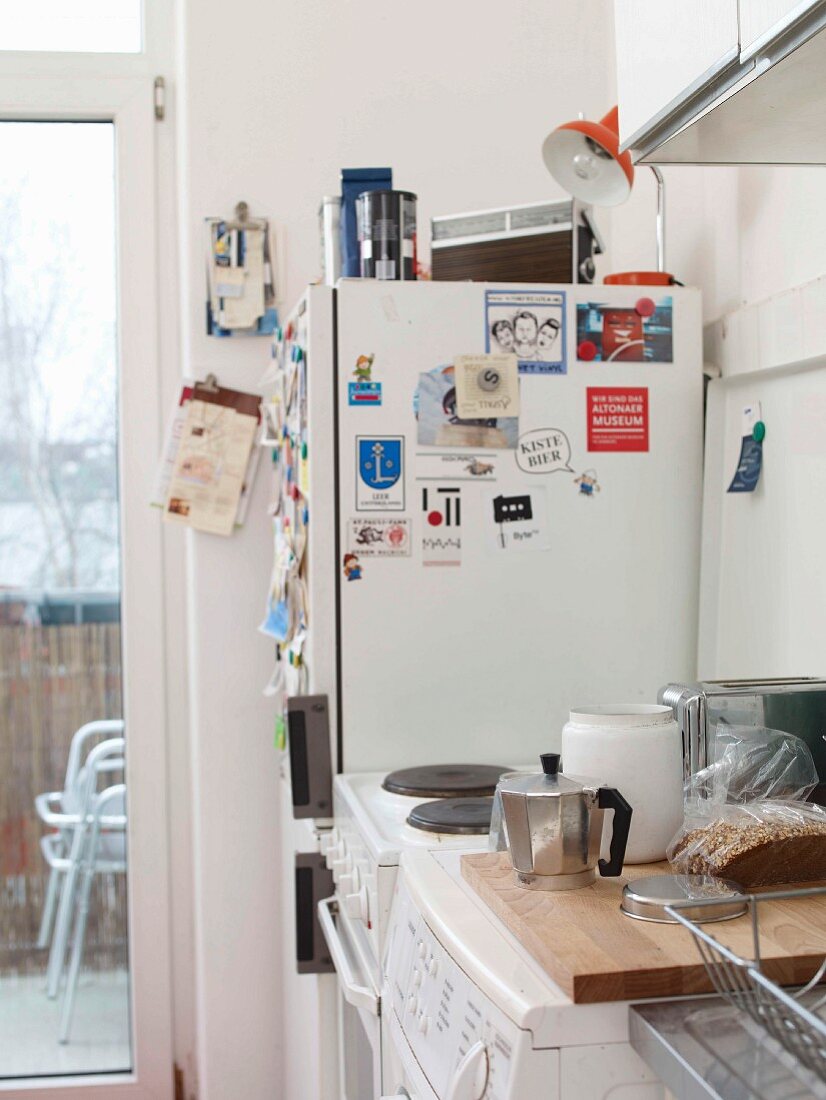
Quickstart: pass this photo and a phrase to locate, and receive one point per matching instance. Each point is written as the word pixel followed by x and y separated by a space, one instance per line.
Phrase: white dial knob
pixel 335 851
pixel 327 840
pixel 470 1078
pixel 357 906
pixel 350 882
pixel 341 867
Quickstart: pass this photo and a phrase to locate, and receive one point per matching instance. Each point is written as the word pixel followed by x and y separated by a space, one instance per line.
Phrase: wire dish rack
pixel 795 1018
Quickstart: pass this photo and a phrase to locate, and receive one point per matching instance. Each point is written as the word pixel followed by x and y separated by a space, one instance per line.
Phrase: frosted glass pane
pixel 95 26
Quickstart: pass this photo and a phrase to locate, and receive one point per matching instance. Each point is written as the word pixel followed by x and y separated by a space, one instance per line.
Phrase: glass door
pixel 85 998
pixel 64 1009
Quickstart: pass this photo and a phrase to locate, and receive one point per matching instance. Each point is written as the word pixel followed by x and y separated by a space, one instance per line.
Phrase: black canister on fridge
pixel 387 234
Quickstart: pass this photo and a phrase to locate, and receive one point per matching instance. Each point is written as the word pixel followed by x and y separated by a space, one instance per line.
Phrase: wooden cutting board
pixel 596 953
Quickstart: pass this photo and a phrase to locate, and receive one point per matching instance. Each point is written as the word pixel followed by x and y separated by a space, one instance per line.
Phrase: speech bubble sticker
pixel 544 451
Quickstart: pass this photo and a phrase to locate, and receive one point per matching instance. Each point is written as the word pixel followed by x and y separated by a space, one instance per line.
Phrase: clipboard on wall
pixel 240 279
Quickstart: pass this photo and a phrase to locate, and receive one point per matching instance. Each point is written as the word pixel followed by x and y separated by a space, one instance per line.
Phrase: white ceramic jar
pixel 636 748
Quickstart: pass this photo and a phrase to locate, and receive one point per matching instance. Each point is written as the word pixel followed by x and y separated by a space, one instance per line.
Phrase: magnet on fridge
pixel 645 307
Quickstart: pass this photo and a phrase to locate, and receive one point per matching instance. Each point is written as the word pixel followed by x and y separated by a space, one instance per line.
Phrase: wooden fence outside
pixel 53 679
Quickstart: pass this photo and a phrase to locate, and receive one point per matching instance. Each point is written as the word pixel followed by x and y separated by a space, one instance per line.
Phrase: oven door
pixel 358 1007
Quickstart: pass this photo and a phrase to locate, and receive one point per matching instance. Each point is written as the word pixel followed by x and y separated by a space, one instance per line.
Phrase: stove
pixel 379 816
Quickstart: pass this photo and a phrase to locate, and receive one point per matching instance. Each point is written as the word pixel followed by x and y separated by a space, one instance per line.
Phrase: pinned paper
pixel 529 324
pixel 439 424
pixel 486 385
pixel 750 462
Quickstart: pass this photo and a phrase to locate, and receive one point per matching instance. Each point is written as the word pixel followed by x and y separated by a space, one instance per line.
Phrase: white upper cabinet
pixel 722 81
pixel 666 49
pixel 763 20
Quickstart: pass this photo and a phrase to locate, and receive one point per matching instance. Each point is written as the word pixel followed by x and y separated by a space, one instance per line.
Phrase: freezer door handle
pixel 359 996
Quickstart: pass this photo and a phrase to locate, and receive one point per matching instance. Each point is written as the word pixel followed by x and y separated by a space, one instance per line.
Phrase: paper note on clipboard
pixel 209 459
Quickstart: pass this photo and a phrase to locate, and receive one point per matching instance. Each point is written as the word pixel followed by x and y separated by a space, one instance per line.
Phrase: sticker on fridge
pixel 544 451
pixel 518 522
pixel 439 425
pixel 455 466
pixel 617 418
pixel 442 524
pixel 380 473
pixel 643 332
pixel 379 537
pixel 365 390
pixel 529 324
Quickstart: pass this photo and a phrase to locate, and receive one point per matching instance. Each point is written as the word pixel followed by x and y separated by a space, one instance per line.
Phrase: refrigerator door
pixel 486 588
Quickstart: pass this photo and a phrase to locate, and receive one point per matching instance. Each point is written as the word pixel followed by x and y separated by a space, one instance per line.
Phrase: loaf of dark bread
pixel 755 851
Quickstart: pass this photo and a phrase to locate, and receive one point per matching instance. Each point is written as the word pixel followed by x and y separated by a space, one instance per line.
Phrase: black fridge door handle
pixel 611 799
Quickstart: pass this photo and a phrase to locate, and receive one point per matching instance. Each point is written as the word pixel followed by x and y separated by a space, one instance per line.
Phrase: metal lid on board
pixel 646 898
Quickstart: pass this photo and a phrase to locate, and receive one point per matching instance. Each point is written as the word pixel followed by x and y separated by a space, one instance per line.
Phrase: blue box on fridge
pixel 353 182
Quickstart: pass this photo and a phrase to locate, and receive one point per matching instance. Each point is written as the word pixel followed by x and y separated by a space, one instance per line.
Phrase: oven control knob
pixel 328 840
pixel 470 1078
pixel 335 851
pixel 356 905
pixel 342 867
pixel 349 883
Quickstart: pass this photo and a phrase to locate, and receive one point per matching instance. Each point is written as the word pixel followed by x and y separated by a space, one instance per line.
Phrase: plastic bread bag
pixel 746 818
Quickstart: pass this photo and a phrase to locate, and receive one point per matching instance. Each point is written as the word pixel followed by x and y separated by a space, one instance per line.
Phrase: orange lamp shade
pixel 584 159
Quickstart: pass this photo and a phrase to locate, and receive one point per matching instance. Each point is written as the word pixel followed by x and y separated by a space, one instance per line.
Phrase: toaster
pixel 796 706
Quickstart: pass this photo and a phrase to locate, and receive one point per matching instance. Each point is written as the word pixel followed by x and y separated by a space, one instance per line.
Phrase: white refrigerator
pixel 468 579
pixel 455 583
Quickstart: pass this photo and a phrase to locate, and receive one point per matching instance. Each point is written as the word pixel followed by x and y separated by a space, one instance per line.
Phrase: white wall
pixel 274 99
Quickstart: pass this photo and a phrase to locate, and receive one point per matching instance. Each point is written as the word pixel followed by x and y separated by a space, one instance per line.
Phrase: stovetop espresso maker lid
pixel 445 780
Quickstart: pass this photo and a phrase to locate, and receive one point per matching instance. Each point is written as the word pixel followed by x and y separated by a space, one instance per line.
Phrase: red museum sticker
pixel 617 418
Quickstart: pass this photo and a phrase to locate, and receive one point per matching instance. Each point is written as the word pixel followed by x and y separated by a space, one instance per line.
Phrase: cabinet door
pixel 762 20
pixel 665 49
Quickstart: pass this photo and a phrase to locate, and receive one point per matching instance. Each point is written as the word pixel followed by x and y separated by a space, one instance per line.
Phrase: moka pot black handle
pixel 609 798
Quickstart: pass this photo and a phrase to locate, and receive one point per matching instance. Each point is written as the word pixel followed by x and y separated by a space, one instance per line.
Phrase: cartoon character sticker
pixel 364 391
pixel 380 537
pixel 363 370
pixel 588 484
pixel 352 567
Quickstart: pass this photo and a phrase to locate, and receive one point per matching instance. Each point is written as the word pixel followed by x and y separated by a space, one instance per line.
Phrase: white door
pixel 84 106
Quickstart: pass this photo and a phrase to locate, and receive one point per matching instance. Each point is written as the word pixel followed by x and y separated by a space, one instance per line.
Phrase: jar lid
pixel 622 714
pixel 646 898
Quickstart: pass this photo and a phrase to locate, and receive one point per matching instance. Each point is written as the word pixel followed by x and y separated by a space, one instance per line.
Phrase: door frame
pixel 128 103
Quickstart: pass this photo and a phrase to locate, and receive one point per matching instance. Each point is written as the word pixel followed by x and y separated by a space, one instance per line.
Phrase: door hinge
pixel 159 98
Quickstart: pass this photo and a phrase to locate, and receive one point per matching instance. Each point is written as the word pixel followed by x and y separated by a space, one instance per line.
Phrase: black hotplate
pixel 453 815
pixel 445 780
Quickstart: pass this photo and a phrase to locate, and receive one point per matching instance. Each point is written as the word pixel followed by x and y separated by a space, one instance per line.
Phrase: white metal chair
pixel 53 806
pixel 67 860
pixel 107 812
